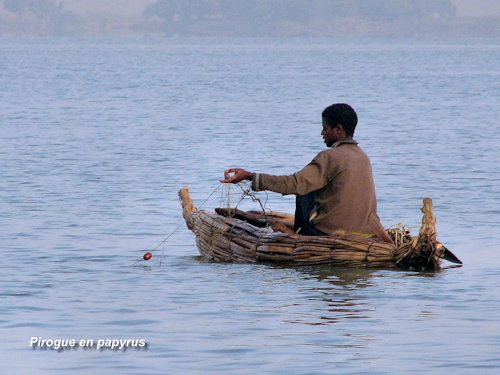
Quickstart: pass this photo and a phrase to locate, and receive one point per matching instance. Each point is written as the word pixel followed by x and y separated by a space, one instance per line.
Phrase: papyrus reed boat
pixel 251 236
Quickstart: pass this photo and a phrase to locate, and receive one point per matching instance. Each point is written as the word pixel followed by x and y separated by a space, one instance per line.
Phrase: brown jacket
pixel 342 176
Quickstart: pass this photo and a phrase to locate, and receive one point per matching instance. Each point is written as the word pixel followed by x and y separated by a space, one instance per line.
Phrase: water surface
pixel 98 136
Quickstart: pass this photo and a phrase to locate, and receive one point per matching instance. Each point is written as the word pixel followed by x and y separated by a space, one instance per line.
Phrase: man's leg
pixel 304 206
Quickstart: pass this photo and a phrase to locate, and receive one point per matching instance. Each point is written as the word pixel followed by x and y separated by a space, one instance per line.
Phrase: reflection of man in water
pixel 335 191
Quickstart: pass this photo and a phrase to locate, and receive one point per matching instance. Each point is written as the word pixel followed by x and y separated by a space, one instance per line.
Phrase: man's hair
pixel 342 114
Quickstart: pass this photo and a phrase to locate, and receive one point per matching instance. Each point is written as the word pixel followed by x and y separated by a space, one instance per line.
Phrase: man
pixel 335 191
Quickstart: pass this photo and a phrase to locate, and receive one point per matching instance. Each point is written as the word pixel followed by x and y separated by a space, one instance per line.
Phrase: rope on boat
pixel 246 191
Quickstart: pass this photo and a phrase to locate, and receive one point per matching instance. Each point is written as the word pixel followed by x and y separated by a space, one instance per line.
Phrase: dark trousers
pixel 304 207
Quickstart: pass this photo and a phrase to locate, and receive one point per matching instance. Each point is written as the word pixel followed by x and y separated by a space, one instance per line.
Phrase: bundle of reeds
pixel 239 236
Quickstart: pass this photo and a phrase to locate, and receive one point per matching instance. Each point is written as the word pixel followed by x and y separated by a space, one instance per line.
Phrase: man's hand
pixel 238 175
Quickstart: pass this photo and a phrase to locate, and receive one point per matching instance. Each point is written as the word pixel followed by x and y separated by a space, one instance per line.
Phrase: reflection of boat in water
pixel 251 236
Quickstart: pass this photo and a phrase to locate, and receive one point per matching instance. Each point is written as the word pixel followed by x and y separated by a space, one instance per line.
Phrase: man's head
pixel 339 122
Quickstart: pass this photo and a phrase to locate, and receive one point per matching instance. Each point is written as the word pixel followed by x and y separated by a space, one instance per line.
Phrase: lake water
pixel 99 135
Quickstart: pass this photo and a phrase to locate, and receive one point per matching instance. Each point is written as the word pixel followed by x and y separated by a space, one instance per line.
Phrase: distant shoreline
pixel 68 24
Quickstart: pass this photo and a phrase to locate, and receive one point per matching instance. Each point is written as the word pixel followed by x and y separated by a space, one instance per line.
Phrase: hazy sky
pixel 478 7
pixel 135 7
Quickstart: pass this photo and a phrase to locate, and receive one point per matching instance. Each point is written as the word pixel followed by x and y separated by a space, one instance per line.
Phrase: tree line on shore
pixel 335 18
pixel 299 10
pixel 293 17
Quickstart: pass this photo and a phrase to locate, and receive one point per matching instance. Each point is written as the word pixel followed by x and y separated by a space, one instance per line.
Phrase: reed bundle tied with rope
pixel 238 236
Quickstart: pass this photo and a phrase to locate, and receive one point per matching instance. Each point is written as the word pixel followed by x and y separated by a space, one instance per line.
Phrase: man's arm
pixel 312 177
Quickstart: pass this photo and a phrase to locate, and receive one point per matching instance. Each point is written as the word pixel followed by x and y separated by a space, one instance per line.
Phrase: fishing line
pixel 148 255
pixel 246 192
pixel 225 200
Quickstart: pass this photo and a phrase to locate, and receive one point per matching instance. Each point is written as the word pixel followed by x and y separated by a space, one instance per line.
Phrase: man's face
pixel 331 135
